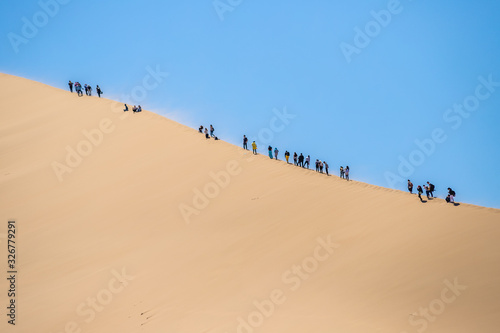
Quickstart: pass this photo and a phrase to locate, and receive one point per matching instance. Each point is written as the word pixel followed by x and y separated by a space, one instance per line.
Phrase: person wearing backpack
pixel 301 160
pixel 420 191
pixel 410 186
pixel 98 90
pixel 427 191
pixel 431 189
pixel 451 196
pixel 287 156
pixel 78 88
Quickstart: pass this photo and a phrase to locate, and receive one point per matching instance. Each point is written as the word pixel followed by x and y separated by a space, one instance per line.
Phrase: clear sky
pixel 394 89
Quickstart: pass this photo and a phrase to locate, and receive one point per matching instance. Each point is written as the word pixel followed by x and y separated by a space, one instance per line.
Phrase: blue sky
pixel 363 81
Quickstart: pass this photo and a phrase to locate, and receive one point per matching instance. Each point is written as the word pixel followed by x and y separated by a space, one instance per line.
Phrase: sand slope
pixel 103 246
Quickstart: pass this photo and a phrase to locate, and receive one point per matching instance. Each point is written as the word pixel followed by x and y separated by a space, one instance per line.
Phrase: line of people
pixel 344 173
pixel 88 91
pixel 298 160
pixel 245 145
pixel 134 109
pixel 304 162
pixel 201 129
pixel 429 192
pixel 86 87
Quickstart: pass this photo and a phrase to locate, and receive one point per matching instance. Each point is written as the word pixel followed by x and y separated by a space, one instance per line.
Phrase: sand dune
pixel 113 234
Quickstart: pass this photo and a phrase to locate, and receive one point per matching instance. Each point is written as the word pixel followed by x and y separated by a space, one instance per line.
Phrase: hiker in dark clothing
pixel 420 191
pixel 346 171
pixel 200 129
pixel 126 108
pixel 99 91
pixel 295 159
pixel 89 88
pixel 326 168
pixel 341 172
pixel 245 142
pixel 212 130
pixel 206 134
pixel 431 189
pixel 410 186
pixel 301 160
pixel 427 191
pixel 78 88
pixel 70 84
pixel 451 196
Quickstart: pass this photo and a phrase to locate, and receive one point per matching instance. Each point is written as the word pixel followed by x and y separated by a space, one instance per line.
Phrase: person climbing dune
pixel 254 148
